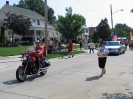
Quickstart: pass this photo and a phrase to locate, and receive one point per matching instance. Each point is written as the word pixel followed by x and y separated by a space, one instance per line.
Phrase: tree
pixel 95 37
pixel 71 25
pixel 122 30
pixel 38 6
pixel 131 11
pixel 103 31
pixel 17 24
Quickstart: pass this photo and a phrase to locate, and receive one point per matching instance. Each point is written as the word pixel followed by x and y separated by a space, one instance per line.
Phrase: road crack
pixel 20 94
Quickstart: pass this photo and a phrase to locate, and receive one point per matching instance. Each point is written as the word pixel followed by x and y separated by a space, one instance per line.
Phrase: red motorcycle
pixel 31 64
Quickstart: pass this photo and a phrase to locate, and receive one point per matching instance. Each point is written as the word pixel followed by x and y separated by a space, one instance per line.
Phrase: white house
pixel 86 32
pixel 37 20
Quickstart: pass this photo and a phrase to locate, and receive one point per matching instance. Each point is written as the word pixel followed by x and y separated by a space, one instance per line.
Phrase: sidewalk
pixel 87 51
pixel 10 57
pixel 18 56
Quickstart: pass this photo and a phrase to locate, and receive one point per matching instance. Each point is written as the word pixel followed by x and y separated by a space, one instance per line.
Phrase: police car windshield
pixel 112 43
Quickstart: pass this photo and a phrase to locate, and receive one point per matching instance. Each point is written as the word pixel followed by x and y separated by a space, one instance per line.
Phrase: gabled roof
pixel 26 12
pixel 54 22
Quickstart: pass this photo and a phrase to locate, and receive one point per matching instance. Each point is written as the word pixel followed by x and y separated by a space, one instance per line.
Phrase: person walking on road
pixel 102 57
pixel 91 46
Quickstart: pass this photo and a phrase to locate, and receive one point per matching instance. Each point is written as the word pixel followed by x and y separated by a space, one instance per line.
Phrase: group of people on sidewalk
pixel 56 47
pixel 91 46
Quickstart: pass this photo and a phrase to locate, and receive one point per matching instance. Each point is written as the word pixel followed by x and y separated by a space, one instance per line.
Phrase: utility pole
pixel 111 16
pixel 45 26
pixel 113 30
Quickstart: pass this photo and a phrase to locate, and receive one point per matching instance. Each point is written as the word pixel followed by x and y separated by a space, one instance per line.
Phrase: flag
pixel 114 37
pixel 131 34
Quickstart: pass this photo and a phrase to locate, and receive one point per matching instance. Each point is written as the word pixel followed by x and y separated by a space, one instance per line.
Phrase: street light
pixel 112 14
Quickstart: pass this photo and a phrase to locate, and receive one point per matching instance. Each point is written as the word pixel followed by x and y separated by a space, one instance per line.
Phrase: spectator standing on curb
pixel 63 46
pixel 70 48
pixel 85 44
pixel 80 43
pixel 122 42
pixel 91 46
pixel 51 46
pixel 126 44
pixel 102 57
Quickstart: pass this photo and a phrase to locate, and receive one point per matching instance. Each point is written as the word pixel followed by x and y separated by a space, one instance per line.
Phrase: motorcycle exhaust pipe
pixel 43 69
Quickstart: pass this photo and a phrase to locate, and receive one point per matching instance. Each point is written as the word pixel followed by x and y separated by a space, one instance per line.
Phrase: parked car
pixel 115 47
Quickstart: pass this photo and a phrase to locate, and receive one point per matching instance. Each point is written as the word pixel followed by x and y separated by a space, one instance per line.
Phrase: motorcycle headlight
pixel 23 59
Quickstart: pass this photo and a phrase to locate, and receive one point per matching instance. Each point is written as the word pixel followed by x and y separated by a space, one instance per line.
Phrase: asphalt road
pixel 73 78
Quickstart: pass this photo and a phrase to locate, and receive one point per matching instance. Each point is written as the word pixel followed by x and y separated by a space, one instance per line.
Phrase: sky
pixel 92 10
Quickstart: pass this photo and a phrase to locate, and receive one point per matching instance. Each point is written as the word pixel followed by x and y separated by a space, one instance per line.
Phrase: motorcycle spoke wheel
pixel 20 76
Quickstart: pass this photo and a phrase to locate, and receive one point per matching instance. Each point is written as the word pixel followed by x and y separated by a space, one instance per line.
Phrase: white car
pixel 115 47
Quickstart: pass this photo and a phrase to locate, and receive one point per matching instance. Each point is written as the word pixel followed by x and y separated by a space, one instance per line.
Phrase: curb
pixel 9 57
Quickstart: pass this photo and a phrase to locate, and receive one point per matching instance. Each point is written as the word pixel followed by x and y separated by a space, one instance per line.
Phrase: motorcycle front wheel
pixel 20 74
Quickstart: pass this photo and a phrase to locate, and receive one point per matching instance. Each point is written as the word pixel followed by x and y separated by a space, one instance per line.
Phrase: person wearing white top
pixel 91 46
pixel 102 57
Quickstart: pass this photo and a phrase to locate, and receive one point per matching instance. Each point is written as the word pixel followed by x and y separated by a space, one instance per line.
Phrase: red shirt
pixel 41 49
pixel 122 42
pixel 80 42
pixel 70 46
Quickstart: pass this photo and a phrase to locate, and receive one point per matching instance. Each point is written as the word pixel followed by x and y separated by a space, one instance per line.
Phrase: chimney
pixel 7 2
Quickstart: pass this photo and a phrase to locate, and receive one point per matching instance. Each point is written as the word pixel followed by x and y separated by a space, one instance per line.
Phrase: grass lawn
pixel 11 51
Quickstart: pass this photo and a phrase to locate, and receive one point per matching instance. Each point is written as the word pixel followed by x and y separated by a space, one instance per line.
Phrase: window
pixel 33 20
pixel 86 30
pixel 112 43
pixel 38 22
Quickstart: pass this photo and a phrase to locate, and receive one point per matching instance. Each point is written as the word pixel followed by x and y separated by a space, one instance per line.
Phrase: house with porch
pixel 86 32
pixel 36 30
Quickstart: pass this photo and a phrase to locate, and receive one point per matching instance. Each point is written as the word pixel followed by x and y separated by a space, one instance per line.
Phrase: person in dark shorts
pixel 70 48
pixel 102 57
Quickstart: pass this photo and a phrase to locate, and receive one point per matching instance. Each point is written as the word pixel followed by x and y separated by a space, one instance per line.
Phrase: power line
pixel 88 8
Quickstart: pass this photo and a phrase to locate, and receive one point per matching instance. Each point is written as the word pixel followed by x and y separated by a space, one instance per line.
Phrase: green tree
pixel 17 24
pixel 131 11
pixel 71 25
pixel 38 6
pixel 95 37
pixel 122 30
pixel 103 31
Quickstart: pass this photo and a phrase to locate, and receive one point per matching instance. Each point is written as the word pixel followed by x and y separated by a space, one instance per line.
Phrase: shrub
pixel 27 40
pixel 75 41
pixel 6 38
pixel 43 40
